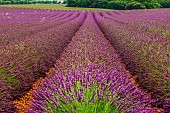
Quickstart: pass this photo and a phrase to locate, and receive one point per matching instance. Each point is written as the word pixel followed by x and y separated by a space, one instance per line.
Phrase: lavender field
pixel 80 61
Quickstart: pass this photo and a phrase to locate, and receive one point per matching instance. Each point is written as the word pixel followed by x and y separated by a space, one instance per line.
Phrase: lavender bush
pixel 90 91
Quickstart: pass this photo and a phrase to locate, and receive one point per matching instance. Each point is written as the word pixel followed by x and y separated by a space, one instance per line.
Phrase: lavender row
pixel 46 17
pixel 29 21
pixel 153 22
pixel 144 54
pixel 89 74
pixel 19 16
pixel 24 62
pixel 14 34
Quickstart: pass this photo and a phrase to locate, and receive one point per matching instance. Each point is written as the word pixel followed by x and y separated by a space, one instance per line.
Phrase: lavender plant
pixel 89 91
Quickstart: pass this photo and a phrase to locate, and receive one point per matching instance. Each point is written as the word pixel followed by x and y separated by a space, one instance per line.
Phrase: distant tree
pixel 65 2
pixel 142 1
pixel 119 5
pixel 152 5
pixel 135 5
pixel 71 3
pixel 165 3
pixel 6 2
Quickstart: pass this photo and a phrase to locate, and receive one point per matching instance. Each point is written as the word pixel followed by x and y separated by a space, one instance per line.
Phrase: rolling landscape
pixel 89 56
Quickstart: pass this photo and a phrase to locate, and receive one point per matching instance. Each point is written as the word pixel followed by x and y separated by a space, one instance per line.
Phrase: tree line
pixel 109 4
pixel 120 4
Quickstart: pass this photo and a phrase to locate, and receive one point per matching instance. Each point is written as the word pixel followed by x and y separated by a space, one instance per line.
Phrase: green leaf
pixel 2 71
pixel 11 79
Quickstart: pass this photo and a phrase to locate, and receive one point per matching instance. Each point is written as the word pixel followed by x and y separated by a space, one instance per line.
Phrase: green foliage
pixel 152 5
pixel 10 79
pixel 2 71
pixel 87 3
pixel 119 5
pixel 89 103
pixel 100 4
pixel 135 5
pixel 165 3
pixel 65 2
pixel 142 1
pixel 71 3
pixel 6 2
